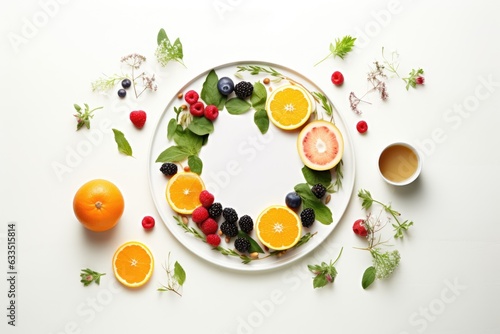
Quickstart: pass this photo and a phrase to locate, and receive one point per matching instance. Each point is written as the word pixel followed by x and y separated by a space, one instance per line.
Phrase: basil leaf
pixel 321 211
pixel 254 246
pixel 173 154
pixel 195 164
pixel 319 281
pixel 179 273
pixel 259 96
pixel 162 35
pixel 368 277
pixel 314 177
pixel 189 140
pixel 201 126
pixel 261 119
pixel 237 106
pixel 123 144
pixel 209 92
pixel 172 126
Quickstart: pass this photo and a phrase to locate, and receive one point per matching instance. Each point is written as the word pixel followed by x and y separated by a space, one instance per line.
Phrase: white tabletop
pixel 447 280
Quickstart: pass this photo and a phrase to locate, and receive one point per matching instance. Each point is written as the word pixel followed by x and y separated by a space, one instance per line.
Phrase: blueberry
pixel 293 200
pixel 122 92
pixel 126 83
pixel 225 86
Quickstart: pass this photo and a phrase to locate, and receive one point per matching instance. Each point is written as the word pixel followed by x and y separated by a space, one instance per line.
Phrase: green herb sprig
pixel 122 143
pixel 88 276
pixel 175 277
pixel 167 51
pixel 414 78
pixel 324 273
pixel 341 48
pixel 83 117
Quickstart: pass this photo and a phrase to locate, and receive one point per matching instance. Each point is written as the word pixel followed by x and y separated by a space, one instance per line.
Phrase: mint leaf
pixel 314 177
pixel 254 246
pixel 259 96
pixel 173 154
pixel 195 164
pixel 188 139
pixel 123 144
pixel 209 92
pixel 261 119
pixel 201 126
pixel 179 273
pixel 171 127
pixel 368 277
pixel 161 36
pixel 319 281
pixel 322 212
pixel 237 106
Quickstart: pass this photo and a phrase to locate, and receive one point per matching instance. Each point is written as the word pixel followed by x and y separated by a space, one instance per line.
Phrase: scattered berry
pixel 199 215
pixel 229 229
pixel 211 112
pixel 225 86
pixel 230 215
pixel 293 200
pixel 209 226
pixel 362 127
pixel 213 240
pixel 246 224
pixel 197 109
pixel 122 92
pixel 243 89
pixel 318 190
pixel 138 118
pixel 168 168
pixel 191 97
pixel 206 198
pixel 215 210
pixel 337 78
pixel 307 217
pixel 419 80
pixel 126 83
pixel 148 222
pixel 359 228
pixel 242 245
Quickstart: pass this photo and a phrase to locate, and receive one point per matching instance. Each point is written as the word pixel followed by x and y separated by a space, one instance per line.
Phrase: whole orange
pixel 98 205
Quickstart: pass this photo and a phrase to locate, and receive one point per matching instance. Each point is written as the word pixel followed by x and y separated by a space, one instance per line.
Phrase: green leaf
pixel 261 119
pixel 254 246
pixel 209 92
pixel 77 107
pixel 179 273
pixel 173 154
pixel 368 277
pixel 161 36
pixel 237 106
pixel 322 212
pixel 319 281
pixel 201 126
pixel 195 164
pixel 188 139
pixel 172 126
pixel 259 96
pixel 123 144
pixel 314 177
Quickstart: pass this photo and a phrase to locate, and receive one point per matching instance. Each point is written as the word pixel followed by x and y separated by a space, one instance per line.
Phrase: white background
pixel 447 281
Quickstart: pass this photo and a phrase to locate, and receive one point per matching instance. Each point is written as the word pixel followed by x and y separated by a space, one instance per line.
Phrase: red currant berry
pixel 191 97
pixel 359 228
pixel 197 109
pixel 362 127
pixel 148 222
pixel 337 78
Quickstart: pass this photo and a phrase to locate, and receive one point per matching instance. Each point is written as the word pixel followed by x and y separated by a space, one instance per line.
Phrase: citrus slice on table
pixel 133 264
pixel 320 145
pixel 289 106
pixel 278 227
pixel 183 192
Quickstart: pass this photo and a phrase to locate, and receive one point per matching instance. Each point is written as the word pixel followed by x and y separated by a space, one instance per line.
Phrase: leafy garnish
pixel 322 212
pixel 261 119
pixel 166 51
pixel 201 126
pixel 341 48
pixel 83 118
pixel 123 145
pixel 324 273
pixel 255 69
pixel 237 106
pixel 414 78
pixel 88 276
pixel 325 103
pixel 314 177
pixel 209 92
pixel 175 277
pixel 259 96
pixel 195 164
pixel 173 154
pixel 368 277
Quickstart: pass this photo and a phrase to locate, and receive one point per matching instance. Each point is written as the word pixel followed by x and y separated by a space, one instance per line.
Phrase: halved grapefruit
pixel 320 145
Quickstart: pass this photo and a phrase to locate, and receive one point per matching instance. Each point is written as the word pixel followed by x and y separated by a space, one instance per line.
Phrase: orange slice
pixel 133 264
pixel 183 192
pixel 278 227
pixel 289 106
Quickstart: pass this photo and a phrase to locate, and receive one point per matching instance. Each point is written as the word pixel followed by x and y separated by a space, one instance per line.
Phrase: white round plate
pixel 246 170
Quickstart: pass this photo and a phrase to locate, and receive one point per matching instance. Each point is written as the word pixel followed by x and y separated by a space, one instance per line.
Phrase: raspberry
pixel 229 229
pixel 148 222
pixel 318 190
pixel 242 245
pixel 191 97
pixel 211 112
pixel 230 215
pixel 199 215
pixel 206 198
pixel 362 127
pixel 138 118
pixel 197 109
pixel 243 89
pixel 209 226
pixel 213 240
pixel 168 168
pixel 246 224
pixel 307 217
pixel 359 228
pixel 337 78
pixel 215 210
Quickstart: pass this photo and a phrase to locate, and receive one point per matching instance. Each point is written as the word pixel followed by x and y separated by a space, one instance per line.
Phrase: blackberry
pixel 168 168
pixel 243 89
pixel 318 190
pixel 229 229
pixel 230 215
pixel 242 245
pixel 307 217
pixel 246 224
pixel 215 210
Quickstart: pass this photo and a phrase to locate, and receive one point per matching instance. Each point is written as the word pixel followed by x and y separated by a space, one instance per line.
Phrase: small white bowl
pixel 399 164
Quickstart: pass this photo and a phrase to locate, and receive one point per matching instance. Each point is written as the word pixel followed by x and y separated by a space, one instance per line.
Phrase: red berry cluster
pixel 201 217
pixel 198 109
